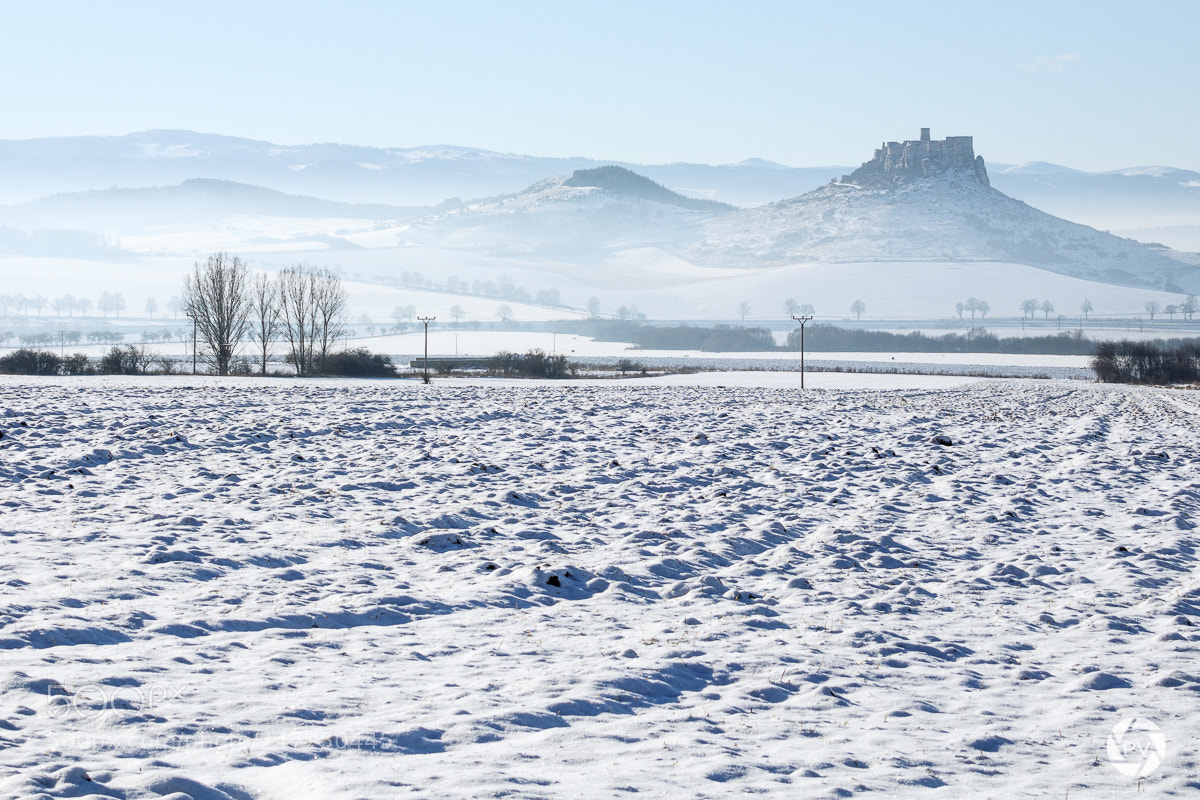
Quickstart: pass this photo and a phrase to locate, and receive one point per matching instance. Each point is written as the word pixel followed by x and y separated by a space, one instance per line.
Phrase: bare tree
pixel 1152 308
pixel 1047 308
pixel 151 306
pixel 744 309
pixel 1190 306
pixel 297 316
pixel 505 313
pixel 972 306
pixel 960 307
pixel 1086 308
pixel 312 314
pixel 217 296
pixel 857 308
pixel 1028 307
pixel 84 305
pixel 593 306
pixel 791 307
pixel 329 303
pixel 264 316
pixel 457 312
pixel 984 308
pixel 1172 310
pixel 807 308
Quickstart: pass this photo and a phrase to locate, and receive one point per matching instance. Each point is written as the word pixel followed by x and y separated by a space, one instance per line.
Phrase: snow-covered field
pixel 272 589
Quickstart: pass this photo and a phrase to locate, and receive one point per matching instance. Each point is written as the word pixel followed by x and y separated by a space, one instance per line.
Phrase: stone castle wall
pixel 922 158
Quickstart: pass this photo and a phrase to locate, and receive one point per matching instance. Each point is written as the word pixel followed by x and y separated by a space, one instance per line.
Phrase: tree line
pixel 829 338
pixel 1156 363
pixel 302 307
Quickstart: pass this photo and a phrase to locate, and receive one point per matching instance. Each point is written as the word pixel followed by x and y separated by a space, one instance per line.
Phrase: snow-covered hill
pixel 949 216
pixel 588 213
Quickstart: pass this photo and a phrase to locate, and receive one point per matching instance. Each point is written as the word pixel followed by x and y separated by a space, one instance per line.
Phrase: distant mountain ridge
pixel 405 176
pixel 192 202
pixel 427 175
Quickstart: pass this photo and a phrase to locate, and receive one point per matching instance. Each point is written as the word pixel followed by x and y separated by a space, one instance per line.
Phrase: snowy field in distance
pixel 338 589
pixel 657 283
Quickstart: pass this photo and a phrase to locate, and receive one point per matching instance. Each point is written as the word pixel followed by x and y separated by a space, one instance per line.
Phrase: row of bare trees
pixel 303 307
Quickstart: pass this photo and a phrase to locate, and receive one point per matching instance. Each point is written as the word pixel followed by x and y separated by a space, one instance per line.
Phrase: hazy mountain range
pixel 181 194
pixel 1134 198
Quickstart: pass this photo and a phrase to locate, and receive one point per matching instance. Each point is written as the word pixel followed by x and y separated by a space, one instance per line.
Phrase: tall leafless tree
pixel 329 301
pixel 297 316
pixel 312 315
pixel 264 316
pixel 217 296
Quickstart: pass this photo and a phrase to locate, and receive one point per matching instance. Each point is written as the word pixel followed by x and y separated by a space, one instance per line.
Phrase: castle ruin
pixel 922 158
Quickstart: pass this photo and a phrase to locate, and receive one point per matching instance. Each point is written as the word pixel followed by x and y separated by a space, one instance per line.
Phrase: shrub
pixel 360 363
pixel 534 364
pixel 1145 362
pixel 77 364
pixel 30 362
pixel 629 365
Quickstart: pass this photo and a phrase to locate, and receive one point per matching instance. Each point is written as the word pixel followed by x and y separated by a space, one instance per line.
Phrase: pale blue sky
pixel 1094 85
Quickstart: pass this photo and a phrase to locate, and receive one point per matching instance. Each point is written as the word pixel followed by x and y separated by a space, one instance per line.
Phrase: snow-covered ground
pixel 274 589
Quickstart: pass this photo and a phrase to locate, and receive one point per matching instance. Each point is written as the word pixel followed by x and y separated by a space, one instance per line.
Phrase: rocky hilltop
pixel 927 200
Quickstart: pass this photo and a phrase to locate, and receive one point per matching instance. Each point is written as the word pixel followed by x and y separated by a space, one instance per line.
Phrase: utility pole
pixel 193 316
pixel 802 320
pixel 426 320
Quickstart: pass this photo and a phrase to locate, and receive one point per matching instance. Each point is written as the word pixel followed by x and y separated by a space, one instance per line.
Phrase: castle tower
pixel 925 158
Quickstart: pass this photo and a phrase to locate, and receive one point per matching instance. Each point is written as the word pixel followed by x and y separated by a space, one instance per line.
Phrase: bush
pixel 30 362
pixel 77 364
pixel 534 364
pixel 629 365
pixel 360 363
pixel 1146 362
pixel 127 360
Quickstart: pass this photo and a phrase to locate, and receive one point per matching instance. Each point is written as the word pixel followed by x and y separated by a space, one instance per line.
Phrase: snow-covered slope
pixel 589 213
pixel 945 217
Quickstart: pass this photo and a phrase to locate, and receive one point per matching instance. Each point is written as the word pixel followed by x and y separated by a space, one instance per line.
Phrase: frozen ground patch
pixel 279 589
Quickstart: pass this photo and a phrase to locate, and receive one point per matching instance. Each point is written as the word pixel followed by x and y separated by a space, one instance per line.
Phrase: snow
pixel 337 589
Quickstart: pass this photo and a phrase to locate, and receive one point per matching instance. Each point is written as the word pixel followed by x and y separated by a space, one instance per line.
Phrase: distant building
pixel 921 158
